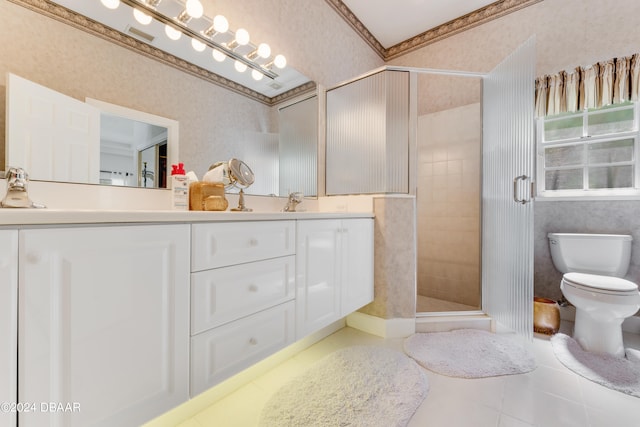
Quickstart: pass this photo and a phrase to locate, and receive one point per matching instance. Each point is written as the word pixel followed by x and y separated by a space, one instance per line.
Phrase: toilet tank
pixel 604 254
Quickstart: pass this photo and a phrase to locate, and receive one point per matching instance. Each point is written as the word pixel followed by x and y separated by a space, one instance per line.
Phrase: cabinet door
pixel 104 323
pixel 357 264
pixel 317 275
pixel 8 322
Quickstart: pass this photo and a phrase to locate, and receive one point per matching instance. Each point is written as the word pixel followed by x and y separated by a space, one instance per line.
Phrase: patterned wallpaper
pixel 213 120
pixel 568 33
pixel 318 43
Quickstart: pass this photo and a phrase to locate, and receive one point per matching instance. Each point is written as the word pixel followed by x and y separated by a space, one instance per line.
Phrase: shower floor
pixel 427 305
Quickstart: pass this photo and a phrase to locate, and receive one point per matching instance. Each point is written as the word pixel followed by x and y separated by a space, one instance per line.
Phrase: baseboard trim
pixel 385 328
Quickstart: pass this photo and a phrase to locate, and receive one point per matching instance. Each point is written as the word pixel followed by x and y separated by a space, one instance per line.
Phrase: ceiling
pixel 392 22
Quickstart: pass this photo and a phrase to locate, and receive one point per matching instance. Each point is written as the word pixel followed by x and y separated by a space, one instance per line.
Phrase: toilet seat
pixel 600 284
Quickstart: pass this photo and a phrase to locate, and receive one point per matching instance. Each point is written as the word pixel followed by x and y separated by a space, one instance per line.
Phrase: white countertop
pixel 19 217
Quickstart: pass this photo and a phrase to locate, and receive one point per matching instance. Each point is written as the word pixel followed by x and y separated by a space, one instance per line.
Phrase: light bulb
pixel 264 51
pixel 240 67
pixel 257 75
pixel 111 4
pixel 172 33
pixel 220 24
pixel 242 36
pixel 218 56
pixel 141 17
pixel 194 8
pixel 280 61
pixel 197 45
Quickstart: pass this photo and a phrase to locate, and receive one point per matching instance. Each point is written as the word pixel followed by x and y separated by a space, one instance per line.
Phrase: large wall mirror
pixel 214 121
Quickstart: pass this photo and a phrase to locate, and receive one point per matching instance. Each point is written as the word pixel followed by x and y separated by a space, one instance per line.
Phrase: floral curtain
pixel 608 82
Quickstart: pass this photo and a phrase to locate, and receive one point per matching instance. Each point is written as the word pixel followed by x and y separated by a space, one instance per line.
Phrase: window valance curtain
pixel 608 82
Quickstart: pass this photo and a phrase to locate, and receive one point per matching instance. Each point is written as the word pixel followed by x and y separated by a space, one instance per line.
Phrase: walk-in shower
pixel 448 199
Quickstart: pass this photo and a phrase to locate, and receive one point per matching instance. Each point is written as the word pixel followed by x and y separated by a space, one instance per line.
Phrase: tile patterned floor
pixel 550 396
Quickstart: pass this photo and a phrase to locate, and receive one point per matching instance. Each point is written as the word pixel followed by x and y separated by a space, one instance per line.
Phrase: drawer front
pixel 222 352
pixel 224 294
pixel 229 243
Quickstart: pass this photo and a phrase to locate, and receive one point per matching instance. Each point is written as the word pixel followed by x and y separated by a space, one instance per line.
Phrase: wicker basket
pixel 546 316
pixel 200 191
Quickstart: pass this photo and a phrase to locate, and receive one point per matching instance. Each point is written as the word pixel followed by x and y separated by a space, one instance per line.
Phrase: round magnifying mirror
pixel 242 177
pixel 242 173
pixel 234 173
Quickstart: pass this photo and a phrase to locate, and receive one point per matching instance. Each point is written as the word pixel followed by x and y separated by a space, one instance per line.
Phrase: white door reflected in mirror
pixel 50 135
pixel 58 138
pixel 132 153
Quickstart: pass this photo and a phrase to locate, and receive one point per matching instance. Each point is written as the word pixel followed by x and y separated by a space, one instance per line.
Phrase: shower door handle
pixel 516 197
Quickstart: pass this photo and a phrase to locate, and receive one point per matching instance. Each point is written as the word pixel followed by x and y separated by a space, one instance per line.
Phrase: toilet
pixel 593 267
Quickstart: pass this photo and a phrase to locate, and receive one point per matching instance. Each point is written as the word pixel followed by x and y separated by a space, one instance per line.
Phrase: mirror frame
pixel 140 116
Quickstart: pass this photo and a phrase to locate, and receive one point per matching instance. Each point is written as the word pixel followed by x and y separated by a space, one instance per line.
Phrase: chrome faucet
pixel 17 196
pixel 294 200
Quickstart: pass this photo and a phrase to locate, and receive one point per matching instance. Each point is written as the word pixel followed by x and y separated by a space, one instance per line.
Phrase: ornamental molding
pixel 458 25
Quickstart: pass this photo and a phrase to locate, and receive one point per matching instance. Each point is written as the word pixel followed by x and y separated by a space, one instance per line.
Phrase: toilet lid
pixel 605 283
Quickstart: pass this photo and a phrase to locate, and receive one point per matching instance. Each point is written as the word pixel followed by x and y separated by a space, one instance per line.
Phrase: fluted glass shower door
pixel 507 200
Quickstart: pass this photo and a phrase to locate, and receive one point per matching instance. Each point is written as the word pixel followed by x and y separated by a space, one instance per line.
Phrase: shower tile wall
pixel 448 205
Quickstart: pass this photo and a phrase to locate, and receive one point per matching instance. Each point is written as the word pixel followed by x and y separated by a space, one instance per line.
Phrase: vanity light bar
pixel 143 6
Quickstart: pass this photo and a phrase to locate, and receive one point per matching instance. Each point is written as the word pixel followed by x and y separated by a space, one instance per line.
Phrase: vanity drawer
pixel 224 294
pixel 222 352
pixel 228 243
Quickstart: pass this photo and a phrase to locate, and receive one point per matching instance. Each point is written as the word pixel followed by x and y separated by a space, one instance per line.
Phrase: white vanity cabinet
pixel 356 279
pixel 103 323
pixel 334 269
pixel 113 325
pixel 8 323
pixel 242 296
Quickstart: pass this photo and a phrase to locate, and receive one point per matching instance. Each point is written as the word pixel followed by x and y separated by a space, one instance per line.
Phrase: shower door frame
pixel 413 167
pixel 523 308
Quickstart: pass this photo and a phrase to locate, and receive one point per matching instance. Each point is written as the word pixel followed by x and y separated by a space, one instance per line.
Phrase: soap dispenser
pixel 179 188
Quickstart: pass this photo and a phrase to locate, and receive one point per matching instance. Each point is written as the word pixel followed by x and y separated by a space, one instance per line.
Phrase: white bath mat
pixel 617 373
pixel 469 353
pixel 357 386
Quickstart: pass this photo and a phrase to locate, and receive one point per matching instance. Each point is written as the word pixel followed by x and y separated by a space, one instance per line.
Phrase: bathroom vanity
pixel 114 317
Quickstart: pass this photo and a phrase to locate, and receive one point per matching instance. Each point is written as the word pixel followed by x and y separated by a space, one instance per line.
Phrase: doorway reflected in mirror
pixel 132 153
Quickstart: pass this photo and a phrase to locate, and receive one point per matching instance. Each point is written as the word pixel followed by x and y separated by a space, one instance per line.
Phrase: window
pixel 589 153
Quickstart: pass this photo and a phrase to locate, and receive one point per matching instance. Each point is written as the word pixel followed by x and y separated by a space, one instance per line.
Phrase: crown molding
pixel 478 17
pixel 81 22
pixel 351 19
